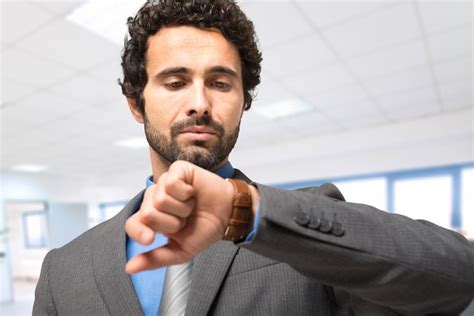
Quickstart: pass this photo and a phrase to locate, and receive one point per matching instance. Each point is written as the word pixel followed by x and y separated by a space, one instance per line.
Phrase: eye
pixel 221 85
pixel 175 85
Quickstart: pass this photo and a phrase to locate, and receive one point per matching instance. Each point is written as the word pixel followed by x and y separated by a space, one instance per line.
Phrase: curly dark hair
pixel 223 15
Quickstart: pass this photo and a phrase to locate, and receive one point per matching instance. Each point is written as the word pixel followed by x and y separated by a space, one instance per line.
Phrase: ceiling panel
pixel 387 61
pixel 14 16
pixel 58 7
pixel 443 15
pixel 310 124
pixel 88 89
pixel 456 95
pixel 70 45
pixel 270 91
pixel 454 70
pixel 398 82
pixel 308 83
pixel 375 31
pixel 298 55
pixel 12 91
pixel 27 68
pixel 269 27
pixel 325 14
pixel 451 44
pixel 341 96
pixel 421 98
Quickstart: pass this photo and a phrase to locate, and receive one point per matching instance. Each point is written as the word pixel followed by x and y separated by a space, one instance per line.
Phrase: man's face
pixel 193 97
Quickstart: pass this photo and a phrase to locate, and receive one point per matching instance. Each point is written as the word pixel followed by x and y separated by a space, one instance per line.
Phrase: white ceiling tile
pixel 43 107
pixel 395 59
pixel 312 82
pixel 58 7
pixel 375 31
pixel 423 98
pixel 342 96
pixel 325 14
pixel 298 55
pixel 411 112
pixel 454 70
pixel 70 45
pixel 268 17
pixel 400 81
pixel 451 44
pixel 29 69
pixel 270 91
pixel 12 91
pixel 356 114
pixel 442 15
pixel 456 95
pixel 108 70
pixel 310 124
pixel 91 90
pixel 21 18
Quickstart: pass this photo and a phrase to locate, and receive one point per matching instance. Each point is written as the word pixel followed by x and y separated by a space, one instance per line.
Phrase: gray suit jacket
pixel 382 264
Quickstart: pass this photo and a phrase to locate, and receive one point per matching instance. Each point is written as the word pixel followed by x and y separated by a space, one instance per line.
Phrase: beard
pixel 207 156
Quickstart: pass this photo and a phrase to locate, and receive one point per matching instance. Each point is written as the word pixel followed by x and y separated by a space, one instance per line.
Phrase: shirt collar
pixel 226 171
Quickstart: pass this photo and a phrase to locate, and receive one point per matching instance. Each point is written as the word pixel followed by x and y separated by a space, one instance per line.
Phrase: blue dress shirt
pixel 149 284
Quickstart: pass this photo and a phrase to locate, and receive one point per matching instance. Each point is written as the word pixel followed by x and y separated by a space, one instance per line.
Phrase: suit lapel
pixel 209 271
pixel 109 258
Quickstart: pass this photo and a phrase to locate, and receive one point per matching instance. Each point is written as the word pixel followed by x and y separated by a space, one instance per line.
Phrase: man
pixel 189 70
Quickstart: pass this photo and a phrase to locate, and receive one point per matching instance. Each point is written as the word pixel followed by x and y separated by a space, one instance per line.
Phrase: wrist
pixel 242 214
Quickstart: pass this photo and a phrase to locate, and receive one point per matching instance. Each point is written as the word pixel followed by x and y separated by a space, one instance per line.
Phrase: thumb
pixel 169 254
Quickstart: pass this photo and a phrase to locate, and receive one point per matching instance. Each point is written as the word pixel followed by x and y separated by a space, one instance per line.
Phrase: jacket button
pixel 301 218
pixel 326 226
pixel 337 229
pixel 314 223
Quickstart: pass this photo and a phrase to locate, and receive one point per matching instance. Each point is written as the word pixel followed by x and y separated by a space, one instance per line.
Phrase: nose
pixel 199 103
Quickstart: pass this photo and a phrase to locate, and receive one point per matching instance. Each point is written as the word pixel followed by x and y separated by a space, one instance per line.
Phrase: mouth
pixel 201 133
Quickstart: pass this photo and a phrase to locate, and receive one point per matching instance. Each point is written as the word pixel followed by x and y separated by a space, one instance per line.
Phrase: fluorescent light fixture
pixel 106 18
pixel 30 168
pixel 133 143
pixel 283 108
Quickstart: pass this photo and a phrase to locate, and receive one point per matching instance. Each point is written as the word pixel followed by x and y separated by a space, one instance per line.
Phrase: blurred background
pixel 374 96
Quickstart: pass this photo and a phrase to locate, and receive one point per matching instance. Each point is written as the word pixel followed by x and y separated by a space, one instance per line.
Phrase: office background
pixel 375 96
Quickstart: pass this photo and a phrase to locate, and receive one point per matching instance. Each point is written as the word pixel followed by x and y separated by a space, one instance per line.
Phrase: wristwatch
pixel 241 218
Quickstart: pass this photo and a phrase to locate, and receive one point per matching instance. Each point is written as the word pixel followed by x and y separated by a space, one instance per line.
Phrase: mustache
pixel 207 121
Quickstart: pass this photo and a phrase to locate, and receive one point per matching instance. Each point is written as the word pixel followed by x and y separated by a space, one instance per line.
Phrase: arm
pixel 44 304
pixel 384 259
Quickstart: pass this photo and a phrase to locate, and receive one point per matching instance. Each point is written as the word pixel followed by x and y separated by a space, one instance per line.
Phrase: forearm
pixel 383 258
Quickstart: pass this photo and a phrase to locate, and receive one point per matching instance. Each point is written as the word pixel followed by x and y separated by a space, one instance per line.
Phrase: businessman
pixel 195 243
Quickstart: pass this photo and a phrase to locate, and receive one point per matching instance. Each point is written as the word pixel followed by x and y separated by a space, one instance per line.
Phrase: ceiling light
pixel 105 18
pixel 283 108
pixel 30 168
pixel 133 143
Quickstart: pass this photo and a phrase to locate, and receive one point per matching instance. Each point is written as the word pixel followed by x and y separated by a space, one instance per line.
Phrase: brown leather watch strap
pixel 241 218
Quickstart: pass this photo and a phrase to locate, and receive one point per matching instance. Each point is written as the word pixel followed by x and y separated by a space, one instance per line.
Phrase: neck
pixel 160 165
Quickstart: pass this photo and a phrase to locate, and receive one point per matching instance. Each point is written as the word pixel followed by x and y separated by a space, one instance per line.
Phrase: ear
pixel 137 114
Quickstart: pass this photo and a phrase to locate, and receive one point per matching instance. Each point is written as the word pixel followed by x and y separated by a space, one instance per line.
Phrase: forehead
pixel 191 47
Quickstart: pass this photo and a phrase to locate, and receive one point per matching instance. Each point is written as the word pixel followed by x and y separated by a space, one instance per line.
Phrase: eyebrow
pixel 223 70
pixel 172 71
pixel 183 70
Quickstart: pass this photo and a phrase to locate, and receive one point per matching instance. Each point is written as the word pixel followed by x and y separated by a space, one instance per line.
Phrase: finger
pixel 160 221
pixel 177 187
pixel 165 202
pixel 170 254
pixel 138 231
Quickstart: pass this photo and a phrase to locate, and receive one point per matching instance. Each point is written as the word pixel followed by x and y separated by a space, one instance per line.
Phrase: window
pixel 35 229
pixel 366 191
pixel 467 201
pixel 427 198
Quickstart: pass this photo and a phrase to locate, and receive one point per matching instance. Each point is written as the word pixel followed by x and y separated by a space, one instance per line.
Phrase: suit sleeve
pixel 44 304
pixel 375 260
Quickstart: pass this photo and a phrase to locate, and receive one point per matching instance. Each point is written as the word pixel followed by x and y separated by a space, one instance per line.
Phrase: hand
pixel 189 205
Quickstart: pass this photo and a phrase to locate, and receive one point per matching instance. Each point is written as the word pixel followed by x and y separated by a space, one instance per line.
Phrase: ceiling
pixel 358 64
